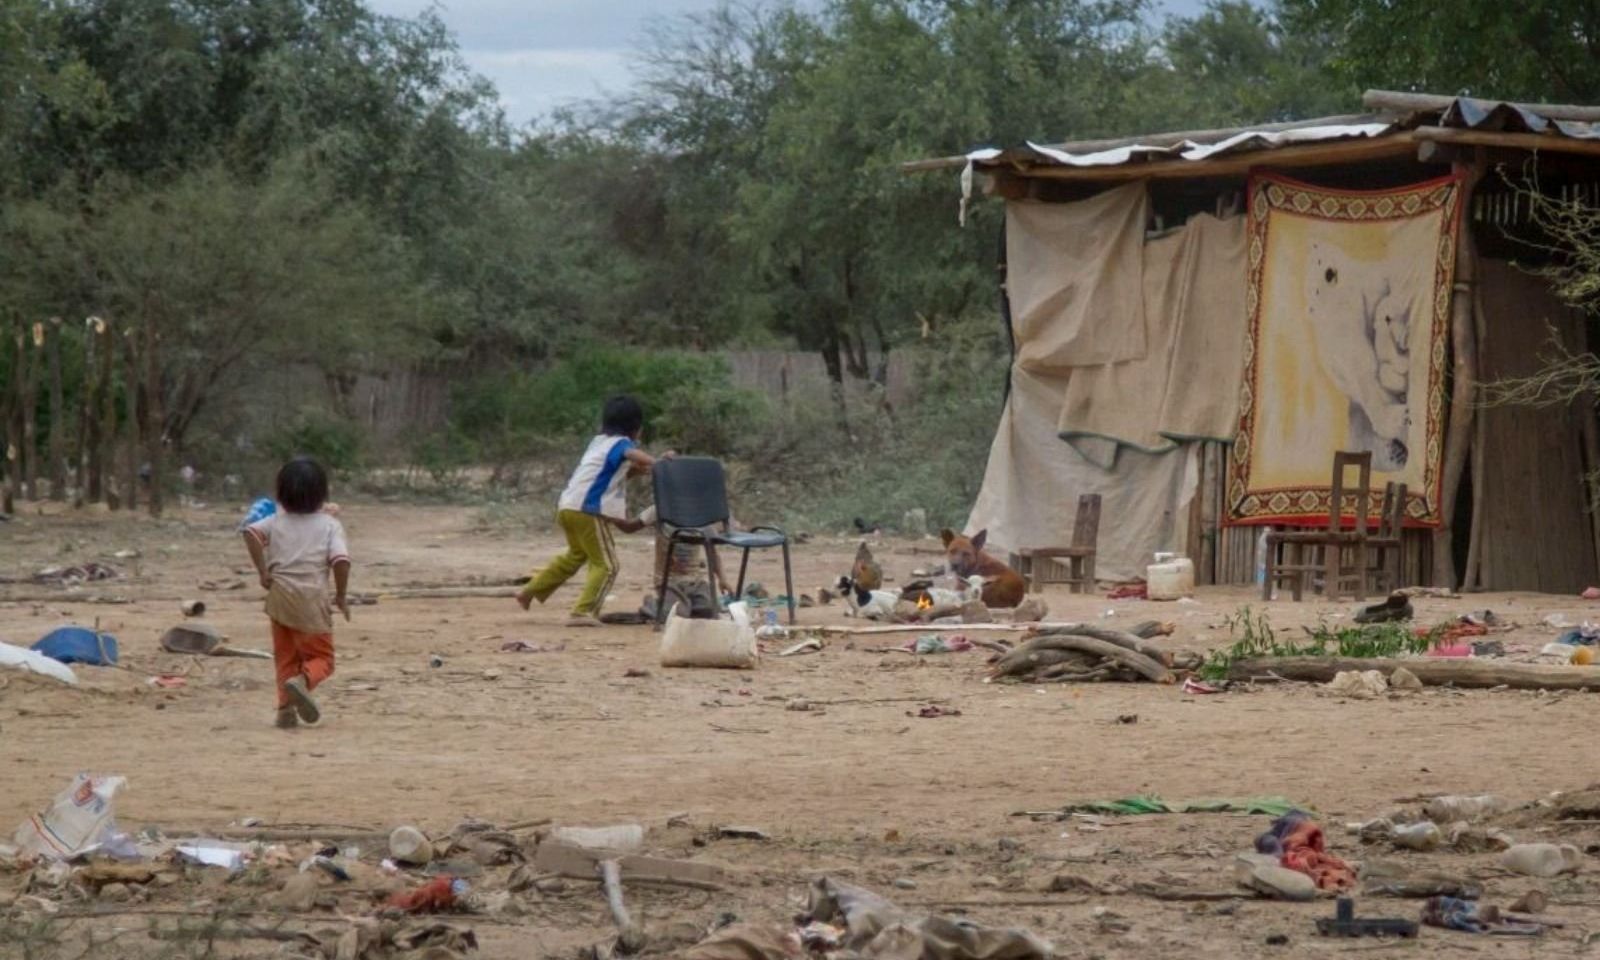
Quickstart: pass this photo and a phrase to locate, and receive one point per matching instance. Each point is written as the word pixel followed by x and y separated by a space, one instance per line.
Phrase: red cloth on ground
pixel 1304 851
pixel 1130 591
pixel 1454 633
pixel 296 653
pixel 435 895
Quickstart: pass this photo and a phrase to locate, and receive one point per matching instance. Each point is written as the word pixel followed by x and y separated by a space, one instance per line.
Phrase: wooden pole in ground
pixel 134 400
pixel 86 411
pixel 10 458
pixel 1463 394
pixel 1473 577
pixel 58 413
pixel 28 380
pixel 103 429
pixel 152 423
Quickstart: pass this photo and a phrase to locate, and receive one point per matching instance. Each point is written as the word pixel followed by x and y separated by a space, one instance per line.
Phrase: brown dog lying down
pixel 1003 586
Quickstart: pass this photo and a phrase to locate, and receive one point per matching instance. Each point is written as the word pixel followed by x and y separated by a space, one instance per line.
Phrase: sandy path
pixel 566 735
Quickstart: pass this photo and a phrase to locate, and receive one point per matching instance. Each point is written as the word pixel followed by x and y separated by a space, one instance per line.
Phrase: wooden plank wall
pixel 1537 531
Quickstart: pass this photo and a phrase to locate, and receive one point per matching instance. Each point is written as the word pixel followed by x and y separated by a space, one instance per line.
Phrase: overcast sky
pixel 543 53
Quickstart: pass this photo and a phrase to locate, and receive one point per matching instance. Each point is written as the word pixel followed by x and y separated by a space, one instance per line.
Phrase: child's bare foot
pixel 301 698
pixel 287 719
pixel 583 620
pixel 525 600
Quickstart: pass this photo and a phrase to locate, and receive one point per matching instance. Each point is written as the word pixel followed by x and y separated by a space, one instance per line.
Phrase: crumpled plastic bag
pixel 1363 685
pixel 879 930
pixel 79 817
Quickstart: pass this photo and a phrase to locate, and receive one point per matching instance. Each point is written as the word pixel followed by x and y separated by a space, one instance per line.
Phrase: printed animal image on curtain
pixel 1349 302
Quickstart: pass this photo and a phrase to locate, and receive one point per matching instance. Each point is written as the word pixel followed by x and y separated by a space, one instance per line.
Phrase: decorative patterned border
pixel 1309 506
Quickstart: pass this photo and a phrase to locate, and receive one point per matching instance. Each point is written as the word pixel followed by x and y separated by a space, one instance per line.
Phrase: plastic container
pixel 1417 836
pixel 707 643
pixel 1454 809
pixel 1542 859
pixel 1169 578
pixel 408 845
pixel 622 838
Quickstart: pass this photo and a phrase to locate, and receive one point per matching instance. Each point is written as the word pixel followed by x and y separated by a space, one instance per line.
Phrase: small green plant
pixel 1253 637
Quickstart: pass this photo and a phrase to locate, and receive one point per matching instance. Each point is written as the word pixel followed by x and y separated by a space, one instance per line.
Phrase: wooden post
pixel 28 380
pixel 86 411
pixel 1473 577
pixel 152 419
pixel 1463 394
pixel 58 413
pixel 11 408
pixel 136 414
pixel 103 429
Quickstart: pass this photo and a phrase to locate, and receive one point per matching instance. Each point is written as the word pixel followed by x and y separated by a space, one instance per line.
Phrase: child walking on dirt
pixel 594 502
pixel 294 551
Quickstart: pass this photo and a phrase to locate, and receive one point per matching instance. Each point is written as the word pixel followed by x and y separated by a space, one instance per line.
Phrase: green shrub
pixel 336 443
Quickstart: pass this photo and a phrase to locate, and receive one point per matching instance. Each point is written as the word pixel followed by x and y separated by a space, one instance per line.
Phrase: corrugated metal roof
pixel 1392 114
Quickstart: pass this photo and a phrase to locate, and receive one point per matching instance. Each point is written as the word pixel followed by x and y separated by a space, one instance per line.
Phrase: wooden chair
pixel 1042 565
pixel 1387 550
pixel 1339 554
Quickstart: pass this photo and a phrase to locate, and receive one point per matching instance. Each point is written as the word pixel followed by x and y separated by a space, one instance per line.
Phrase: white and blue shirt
pixel 596 485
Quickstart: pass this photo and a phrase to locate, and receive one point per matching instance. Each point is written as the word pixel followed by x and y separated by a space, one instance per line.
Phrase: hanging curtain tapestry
pixel 1349 304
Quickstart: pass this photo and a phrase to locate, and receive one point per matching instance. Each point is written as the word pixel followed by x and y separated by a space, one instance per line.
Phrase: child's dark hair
pixel 302 485
pixel 622 417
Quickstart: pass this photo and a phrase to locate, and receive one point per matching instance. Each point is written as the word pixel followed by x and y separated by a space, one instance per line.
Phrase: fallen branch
pixel 1433 672
pixel 630 937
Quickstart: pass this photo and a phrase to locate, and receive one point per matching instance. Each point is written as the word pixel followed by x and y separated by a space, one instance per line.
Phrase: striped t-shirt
pixel 596 486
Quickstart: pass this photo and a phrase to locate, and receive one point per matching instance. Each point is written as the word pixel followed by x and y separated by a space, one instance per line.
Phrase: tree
pixel 1530 50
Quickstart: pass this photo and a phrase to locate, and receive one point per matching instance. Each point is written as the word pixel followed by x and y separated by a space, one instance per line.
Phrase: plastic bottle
pixel 1542 859
pixel 1261 557
pixel 770 629
pixel 1417 836
pixel 1453 809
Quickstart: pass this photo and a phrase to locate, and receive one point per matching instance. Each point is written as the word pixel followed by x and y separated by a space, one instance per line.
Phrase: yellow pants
pixel 588 544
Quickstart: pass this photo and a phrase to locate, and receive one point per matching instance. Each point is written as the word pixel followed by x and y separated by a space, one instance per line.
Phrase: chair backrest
pixel 1086 529
pixel 690 492
pixel 1342 461
pixel 1391 524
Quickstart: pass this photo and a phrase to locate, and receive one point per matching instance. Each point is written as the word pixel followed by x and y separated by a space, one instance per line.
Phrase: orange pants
pixel 298 654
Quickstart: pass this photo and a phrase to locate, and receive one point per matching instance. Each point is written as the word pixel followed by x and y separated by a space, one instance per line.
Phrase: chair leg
pixel 1088 574
pixel 744 563
pixel 788 582
pixel 661 588
pixel 711 578
pixel 1298 589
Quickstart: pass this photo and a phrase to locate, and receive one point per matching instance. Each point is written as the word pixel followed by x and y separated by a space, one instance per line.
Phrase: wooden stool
pixel 1042 565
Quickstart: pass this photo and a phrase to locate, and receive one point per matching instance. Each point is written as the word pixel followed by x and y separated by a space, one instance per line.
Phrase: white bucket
pixel 707 643
pixel 1169 579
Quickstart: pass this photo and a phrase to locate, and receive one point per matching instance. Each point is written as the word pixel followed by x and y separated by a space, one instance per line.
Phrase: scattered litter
pixel 22 658
pixel 1590 593
pixel 1395 609
pixel 1542 859
pixel 523 646
pixel 230 857
pixel 437 894
pixel 202 639
pixel 1343 923
pixel 78 645
pixel 741 833
pixel 1358 685
pixel 1299 844
pixel 620 838
pixel 1136 590
pixel 1198 687
pixel 409 845
pixel 1451 913
pixel 1557 621
pixel 90 572
pixel 221 585
pixel 192 608
pixel 79 817
pixel 168 681
pixel 932 711
pixel 1261 873
pixel 1151 804
pixel 804 646
pixel 1417 836
pixel 930 643
pixel 1453 808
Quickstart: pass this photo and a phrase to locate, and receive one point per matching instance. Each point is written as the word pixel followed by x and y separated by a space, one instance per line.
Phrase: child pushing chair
pixel 593 502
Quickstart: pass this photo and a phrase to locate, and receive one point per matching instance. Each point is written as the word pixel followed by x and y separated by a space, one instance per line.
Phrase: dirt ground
pixel 857 787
